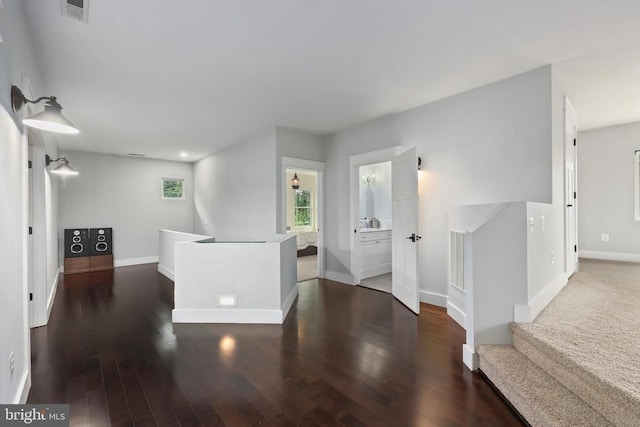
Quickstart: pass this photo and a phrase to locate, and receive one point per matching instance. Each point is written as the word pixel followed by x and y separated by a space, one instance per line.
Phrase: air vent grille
pixel 457 259
pixel 76 9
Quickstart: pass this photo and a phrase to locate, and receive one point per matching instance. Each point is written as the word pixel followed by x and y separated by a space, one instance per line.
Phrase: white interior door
pixel 404 186
pixel 570 179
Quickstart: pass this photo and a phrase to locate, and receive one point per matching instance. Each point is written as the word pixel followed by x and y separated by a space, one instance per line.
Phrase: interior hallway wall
pixel 125 193
pixel 235 190
pixel 490 144
pixel 606 190
pixel 17 61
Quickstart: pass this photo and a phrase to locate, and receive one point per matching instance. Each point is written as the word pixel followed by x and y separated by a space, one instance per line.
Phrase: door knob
pixel 413 237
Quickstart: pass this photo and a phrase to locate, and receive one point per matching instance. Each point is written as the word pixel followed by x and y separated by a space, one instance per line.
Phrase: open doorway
pixel 375 226
pixel 303 217
pixel 403 232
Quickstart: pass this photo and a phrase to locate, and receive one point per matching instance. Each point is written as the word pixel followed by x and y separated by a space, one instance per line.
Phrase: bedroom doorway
pixel 302 219
pixel 302 213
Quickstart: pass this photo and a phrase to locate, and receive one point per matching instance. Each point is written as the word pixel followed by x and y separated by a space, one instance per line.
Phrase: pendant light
pixel 295 182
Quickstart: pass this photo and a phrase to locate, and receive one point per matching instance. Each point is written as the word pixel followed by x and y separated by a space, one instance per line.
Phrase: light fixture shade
pixel 52 120
pixel 295 182
pixel 63 169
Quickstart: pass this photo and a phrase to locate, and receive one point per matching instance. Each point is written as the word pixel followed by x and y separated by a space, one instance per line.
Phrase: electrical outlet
pixel 604 237
pixel 12 366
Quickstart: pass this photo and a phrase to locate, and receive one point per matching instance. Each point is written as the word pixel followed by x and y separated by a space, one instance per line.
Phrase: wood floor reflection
pixel 346 356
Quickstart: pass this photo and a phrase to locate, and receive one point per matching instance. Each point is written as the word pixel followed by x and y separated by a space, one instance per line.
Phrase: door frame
pixel 355 161
pixel 38 307
pixel 569 146
pixel 309 166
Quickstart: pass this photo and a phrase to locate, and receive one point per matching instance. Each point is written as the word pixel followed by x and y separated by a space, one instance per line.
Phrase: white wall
pixel 606 192
pixel 264 289
pixel 125 193
pixel 14 331
pixel 300 145
pixel 375 197
pixel 490 144
pixel 17 61
pixel 235 190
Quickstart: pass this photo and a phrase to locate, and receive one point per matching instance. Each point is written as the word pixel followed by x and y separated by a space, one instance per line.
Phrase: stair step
pixel 539 398
pixel 601 393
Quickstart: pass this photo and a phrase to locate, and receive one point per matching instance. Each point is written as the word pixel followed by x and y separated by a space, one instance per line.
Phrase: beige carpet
pixel 307 268
pixel 588 340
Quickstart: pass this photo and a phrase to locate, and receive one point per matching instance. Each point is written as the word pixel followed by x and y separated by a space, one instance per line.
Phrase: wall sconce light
pixel 295 182
pixel 51 119
pixel 63 169
pixel 369 178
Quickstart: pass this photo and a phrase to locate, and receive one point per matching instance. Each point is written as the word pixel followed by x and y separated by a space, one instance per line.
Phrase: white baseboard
pixel 288 302
pixel 433 298
pixel 24 388
pixel 469 357
pixel 456 314
pixel 166 272
pixel 52 295
pixel 227 316
pixel 135 261
pixel 609 256
pixel 339 277
pixel 528 313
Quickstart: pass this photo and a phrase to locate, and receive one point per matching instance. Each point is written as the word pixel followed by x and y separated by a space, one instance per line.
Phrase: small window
pixel 302 208
pixel 173 188
pixel 637 185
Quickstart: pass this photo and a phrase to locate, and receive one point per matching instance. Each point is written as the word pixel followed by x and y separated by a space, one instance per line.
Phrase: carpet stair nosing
pixel 612 402
pixel 540 399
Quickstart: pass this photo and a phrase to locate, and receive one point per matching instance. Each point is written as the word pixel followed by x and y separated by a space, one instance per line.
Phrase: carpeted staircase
pixel 578 363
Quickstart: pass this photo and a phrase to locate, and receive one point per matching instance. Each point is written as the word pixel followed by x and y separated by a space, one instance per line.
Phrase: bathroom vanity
pixel 375 252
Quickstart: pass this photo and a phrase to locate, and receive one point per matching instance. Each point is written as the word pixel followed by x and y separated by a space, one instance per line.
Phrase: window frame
pixel 309 208
pixel 162 193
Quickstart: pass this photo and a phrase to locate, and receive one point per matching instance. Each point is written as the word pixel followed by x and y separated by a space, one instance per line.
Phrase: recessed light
pixel 184 154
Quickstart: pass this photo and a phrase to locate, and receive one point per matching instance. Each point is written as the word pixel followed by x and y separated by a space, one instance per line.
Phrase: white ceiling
pixel 159 77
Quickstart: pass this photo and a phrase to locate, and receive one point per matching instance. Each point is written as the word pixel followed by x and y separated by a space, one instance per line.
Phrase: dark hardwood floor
pixel 346 356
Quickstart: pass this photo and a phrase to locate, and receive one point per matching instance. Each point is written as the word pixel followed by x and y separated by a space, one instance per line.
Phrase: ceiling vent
pixel 76 9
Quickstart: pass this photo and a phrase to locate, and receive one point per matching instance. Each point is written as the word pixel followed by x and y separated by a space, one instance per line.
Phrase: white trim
pixel 52 295
pixel 23 388
pixel 433 298
pixel 469 357
pixel 528 313
pixel 456 314
pixel 609 256
pixel 135 261
pixel 227 316
pixel 339 277
pixel 288 302
pixel 166 272
pixel 637 185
